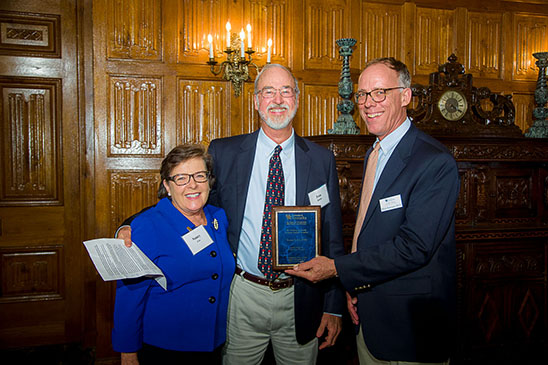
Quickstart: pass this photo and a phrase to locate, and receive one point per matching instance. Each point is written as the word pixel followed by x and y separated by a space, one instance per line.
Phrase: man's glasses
pixel 378 95
pixel 270 92
pixel 183 179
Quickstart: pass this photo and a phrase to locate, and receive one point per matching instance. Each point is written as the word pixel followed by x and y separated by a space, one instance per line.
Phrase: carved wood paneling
pixel 197 19
pixel 134 29
pixel 382 31
pixel 30 141
pixel 513 197
pixel 524 103
pixel 203 111
pixel 507 298
pixel 484 44
pixel 31 274
pixel 319 109
pixel 30 35
pixel 531 35
pixel 271 19
pixel 463 205
pixel 248 120
pixel 434 38
pixel 135 114
pixel 131 191
pixel 326 21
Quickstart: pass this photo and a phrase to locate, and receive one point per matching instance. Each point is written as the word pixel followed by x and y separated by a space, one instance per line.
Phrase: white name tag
pixel 197 239
pixel 390 203
pixel 320 196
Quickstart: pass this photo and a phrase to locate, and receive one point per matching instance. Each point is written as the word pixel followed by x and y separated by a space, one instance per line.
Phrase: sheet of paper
pixel 114 261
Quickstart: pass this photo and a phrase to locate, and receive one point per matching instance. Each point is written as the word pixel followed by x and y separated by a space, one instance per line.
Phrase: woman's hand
pixel 129 358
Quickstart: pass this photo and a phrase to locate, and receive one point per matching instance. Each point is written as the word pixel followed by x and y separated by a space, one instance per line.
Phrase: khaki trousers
pixel 367 359
pixel 257 315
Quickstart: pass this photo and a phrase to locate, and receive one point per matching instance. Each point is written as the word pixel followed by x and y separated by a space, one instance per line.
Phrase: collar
pixel 391 141
pixel 267 145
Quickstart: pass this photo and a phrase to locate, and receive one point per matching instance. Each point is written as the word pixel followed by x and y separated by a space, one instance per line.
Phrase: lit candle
pixel 210 40
pixel 269 50
pixel 248 36
pixel 228 34
pixel 242 36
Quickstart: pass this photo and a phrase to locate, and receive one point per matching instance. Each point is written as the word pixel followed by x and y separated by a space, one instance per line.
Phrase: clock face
pixel 452 105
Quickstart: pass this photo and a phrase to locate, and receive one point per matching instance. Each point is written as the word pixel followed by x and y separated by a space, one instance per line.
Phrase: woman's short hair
pixel 180 154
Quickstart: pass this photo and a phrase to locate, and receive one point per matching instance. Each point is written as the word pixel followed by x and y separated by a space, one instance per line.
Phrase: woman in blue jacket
pixel 187 240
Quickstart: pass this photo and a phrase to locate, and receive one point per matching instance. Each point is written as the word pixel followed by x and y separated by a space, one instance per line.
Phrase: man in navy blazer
pixel 293 316
pixel 400 277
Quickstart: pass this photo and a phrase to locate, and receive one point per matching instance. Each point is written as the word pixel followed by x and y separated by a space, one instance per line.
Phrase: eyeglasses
pixel 270 92
pixel 183 179
pixel 377 95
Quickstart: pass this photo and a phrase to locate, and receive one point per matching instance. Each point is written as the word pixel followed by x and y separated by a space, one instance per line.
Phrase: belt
pixel 274 285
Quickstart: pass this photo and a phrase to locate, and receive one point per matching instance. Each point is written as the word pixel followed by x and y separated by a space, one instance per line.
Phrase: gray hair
pixel 394 64
pixel 272 65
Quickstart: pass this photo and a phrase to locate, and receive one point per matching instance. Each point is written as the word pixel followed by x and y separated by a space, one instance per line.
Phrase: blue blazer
pixel 191 314
pixel 315 166
pixel 403 272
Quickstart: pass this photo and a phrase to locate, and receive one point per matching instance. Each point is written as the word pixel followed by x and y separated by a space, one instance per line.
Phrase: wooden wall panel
pixel 272 19
pixel 131 191
pixel 197 19
pixel 204 111
pixel 135 116
pixel 31 274
pixel 245 119
pixel 30 141
pixel 134 29
pixel 326 21
pixel 434 38
pixel 531 35
pixel 484 44
pixel 319 108
pixel 34 35
pixel 382 31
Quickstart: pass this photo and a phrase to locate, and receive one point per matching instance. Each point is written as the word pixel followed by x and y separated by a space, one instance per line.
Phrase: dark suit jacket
pixel 403 272
pixel 233 162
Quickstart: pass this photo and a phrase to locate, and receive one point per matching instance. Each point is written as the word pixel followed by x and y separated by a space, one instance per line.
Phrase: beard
pixel 278 123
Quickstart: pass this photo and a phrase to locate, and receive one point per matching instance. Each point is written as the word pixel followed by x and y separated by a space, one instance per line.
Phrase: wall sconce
pixel 236 67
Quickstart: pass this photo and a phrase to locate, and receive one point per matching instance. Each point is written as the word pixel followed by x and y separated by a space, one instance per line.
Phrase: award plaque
pixel 295 235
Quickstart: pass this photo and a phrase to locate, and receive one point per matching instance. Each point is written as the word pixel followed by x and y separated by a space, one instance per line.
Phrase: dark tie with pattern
pixel 274 197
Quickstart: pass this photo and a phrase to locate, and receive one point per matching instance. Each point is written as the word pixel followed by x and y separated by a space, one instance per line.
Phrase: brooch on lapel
pixel 215 224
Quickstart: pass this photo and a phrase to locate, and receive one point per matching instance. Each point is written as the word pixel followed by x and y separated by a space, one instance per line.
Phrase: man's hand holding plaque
pixel 295 235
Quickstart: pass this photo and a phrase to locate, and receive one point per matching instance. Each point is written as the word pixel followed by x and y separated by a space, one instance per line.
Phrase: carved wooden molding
pixel 498 235
pixel 509 263
pixel 30 35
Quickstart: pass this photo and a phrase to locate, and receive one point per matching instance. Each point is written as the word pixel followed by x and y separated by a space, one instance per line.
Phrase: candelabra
pixel 539 129
pixel 345 123
pixel 236 66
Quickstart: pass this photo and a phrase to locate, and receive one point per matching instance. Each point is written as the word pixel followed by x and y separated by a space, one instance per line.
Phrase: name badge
pixel 320 196
pixel 197 239
pixel 390 203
